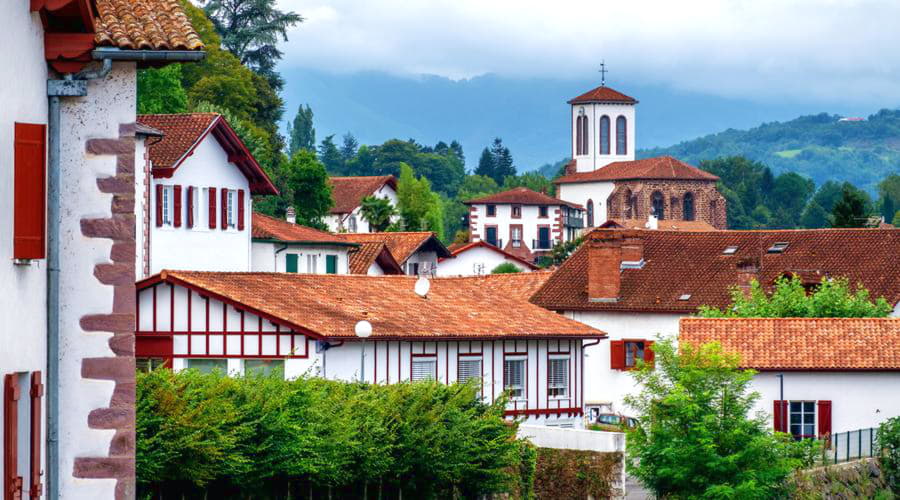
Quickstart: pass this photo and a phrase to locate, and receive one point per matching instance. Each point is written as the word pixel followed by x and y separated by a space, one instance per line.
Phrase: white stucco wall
pixel 375 270
pixel 23 334
pixel 109 103
pixel 594 111
pixel 339 223
pixel 201 248
pixel 477 260
pixel 580 193
pixel 266 260
pixel 427 259
pixel 503 219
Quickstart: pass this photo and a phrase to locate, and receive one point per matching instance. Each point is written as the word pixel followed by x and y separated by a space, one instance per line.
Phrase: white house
pixel 348 193
pixel 374 258
pixel 461 328
pixel 636 284
pixel 417 252
pixel 478 258
pixel 523 222
pixel 285 246
pixel 198 178
pixel 605 178
pixel 68 142
pixel 848 380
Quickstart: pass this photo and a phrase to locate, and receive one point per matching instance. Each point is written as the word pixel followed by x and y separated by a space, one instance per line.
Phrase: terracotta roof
pixel 603 94
pixel 402 244
pixel 270 228
pixel 330 305
pixel 348 192
pixel 808 344
pixel 680 263
pixel 521 196
pixel 184 131
pixel 661 167
pixel 663 225
pixel 373 252
pixel 145 25
pixel 465 247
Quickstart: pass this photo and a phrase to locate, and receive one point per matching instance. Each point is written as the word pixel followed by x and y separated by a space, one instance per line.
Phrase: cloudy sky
pixel 816 50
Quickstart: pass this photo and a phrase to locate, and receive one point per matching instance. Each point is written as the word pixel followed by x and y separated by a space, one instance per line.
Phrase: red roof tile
pixel 402 244
pixel 458 249
pixel 677 263
pixel 270 228
pixel 373 252
pixel 603 94
pixel 330 305
pixel 661 167
pixel 663 225
pixel 348 192
pixel 145 25
pixel 521 196
pixel 184 131
pixel 808 344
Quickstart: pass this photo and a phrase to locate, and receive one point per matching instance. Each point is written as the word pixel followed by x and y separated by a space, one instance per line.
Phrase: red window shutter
pixel 224 224
pixel 190 206
pixel 240 210
pixel 617 354
pixel 12 482
pixel 780 416
pixel 37 392
pixel 177 206
pixel 29 192
pixel 649 356
pixel 824 418
pixel 159 205
pixel 212 208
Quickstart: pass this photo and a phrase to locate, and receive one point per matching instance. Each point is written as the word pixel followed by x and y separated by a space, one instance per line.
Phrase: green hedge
pixel 576 474
pixel 218 437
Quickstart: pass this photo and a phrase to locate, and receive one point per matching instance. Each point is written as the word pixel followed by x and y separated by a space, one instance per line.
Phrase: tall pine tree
pixel 852 209
pixel 303 134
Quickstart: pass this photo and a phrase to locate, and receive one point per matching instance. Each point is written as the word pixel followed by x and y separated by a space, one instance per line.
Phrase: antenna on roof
pixel 603 72
pixel 423 285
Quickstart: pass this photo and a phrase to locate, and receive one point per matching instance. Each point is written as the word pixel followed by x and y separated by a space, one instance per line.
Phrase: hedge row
pixel 208 435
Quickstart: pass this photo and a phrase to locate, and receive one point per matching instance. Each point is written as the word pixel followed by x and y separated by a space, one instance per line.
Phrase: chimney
pixel 747 271
pixel 291 215
pixel 604 268
pixel 633 249
pixel 652 222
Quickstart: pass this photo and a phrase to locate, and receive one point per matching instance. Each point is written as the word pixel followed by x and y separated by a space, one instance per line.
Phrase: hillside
pixel 819 146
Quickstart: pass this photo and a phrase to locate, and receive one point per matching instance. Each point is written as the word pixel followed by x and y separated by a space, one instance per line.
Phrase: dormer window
pixel 542 211
pixel 779 247
pixel 685 296
pixel 492 210
pixel 730 250
pixel 517 211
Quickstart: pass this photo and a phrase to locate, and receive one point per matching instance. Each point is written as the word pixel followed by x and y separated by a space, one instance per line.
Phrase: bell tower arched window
pixel 604 135
pixel 659 205
pixel 582 135
pixel 627 207
pixel 621 136
pixel 688 203
pixel 590 213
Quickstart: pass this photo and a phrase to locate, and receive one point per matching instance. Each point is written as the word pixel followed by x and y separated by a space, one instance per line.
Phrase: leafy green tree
pixel 833 298
pixel 496 162
pixel 159 90
pixel 303 183
pixel 378 212
pixel 561 251
pixel 302 132
pixel 250 29
pixel 330 156
pixel 887 209
pixel 349 146
pixel 506 268
pixel 420 208
pixel 695 438
pixel 531 180
pixel 853 209
pixel 814 216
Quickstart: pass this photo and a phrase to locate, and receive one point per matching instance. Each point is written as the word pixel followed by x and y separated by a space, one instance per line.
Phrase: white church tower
pixel 602 128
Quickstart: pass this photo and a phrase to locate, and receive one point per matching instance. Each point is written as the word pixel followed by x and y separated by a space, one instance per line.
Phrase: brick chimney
pixel 747 271
pixel 604 268
pixel 291 215
pixel 633 248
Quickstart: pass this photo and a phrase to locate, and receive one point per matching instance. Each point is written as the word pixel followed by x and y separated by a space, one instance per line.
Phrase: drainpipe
pixel 69 86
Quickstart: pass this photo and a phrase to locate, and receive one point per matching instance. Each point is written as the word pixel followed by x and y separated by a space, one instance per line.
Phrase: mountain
pixel 823 147
pixel 530 114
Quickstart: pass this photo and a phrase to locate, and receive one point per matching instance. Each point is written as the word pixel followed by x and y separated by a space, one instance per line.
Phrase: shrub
pixel 505 268
pixel 889 444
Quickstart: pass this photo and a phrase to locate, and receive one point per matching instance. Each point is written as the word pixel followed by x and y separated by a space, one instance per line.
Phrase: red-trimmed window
pixel 424 367
pixel 803 419
pixel 491 210
pixel 514 373
pixel 212 208
pixel 516 211
pixel 225 222
pixel 191 206
pixel 29 191
pixel 558 376
pixel 12 481
pixel 240 210
pixel 625 354
pixel 176 206
pixel 37 393
pixel 468 367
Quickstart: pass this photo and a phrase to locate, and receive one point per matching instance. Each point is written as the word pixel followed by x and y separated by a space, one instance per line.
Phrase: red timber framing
pixel 12 481
pixel 180 321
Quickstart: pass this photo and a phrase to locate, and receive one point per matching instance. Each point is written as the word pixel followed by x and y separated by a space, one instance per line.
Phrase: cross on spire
pixel 603 72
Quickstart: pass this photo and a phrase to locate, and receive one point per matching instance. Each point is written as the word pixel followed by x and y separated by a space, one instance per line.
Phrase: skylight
pixel 779 247
pixel 730 250
pixel 685 296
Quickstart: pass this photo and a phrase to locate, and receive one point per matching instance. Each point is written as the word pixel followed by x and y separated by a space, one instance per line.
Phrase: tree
pixel 887 209
pixel 531 180
pixel 159 90
pixel 349 145
pixel 852 210
pixel 832 298
pixel 420 208
pixel 496 162
pixel 330 156
pixel 506 268
pixel 304 185
pixel 378 212
pixel 814 216
pixel 695 438
pixel 303 134
pixel 250 29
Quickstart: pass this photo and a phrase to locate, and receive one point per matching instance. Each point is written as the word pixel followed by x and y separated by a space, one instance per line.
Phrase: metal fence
pixel 852 445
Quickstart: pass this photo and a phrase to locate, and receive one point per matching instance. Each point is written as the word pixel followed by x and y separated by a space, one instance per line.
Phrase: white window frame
pixel 281 361
pixel 168 208
pixel 187 363
pixel 567 378
pixel 470 358
pixel 202 220
pixel 195 205
pixel 523 386
pixel 421 359
pixel 231 209
pixel 803 413
pixel 312 263
pixel 516 231
pixel 352 225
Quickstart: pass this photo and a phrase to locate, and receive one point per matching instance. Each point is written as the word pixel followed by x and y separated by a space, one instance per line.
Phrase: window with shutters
pixel 312 264
pixel 558 377
pixel 468 368
pixel 625 354
pixel 802 419
pixel 515 236
pixel 231 210
pixel 291 263
pixel 331 263
pixel 424 368
pixel 194 208
pixel 166 204
pixel 29 191
pixel 514 377
pixel 634 350
pixel 22 419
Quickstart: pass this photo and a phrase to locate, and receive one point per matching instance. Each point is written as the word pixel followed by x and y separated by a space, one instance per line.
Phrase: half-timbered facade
pixel 479 328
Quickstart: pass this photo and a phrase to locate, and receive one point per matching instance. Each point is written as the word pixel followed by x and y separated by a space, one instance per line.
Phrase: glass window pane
pixel 263 367
pixel 424 368
pixel 795 406
pixel 808 406
pixel 208 365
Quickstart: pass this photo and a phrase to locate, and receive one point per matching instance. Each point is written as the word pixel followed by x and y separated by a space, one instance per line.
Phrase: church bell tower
pixel 602 127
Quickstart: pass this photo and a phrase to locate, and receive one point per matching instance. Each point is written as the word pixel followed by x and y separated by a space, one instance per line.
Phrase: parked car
pixel 614 422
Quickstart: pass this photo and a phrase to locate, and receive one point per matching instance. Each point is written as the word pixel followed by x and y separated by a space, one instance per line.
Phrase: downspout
pixel 278 251
pixel 69 86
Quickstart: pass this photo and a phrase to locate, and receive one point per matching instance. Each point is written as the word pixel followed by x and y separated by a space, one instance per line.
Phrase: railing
pixel 541 244
pixel 496 243
pixel 852 445
pixel 574 222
